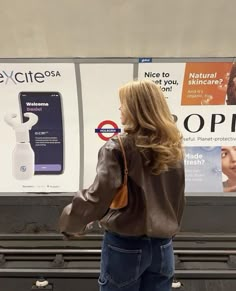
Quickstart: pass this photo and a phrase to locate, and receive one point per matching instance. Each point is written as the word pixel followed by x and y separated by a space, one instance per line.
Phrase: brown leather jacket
pixel 156 202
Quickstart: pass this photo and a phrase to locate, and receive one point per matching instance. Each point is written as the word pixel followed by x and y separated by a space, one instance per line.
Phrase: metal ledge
pixel 94 273
pixel 79 251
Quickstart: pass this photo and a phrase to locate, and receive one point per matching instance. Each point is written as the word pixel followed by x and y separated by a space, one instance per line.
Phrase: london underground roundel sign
pixel 101 129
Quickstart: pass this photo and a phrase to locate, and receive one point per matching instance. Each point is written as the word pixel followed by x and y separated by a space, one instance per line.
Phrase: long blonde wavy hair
pixel 148 119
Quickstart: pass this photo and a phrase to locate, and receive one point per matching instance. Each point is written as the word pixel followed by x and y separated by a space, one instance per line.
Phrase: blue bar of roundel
pixel 107 130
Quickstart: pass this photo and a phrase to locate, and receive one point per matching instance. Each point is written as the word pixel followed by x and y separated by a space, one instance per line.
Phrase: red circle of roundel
pixel 107 122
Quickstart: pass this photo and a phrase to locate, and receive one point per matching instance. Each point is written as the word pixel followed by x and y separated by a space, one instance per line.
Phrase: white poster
pixel 202 99
pixel 39 125
pixel 101 115
pixel 168 76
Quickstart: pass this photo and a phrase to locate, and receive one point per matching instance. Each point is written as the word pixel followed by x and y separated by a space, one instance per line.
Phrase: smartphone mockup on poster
pixel 46 137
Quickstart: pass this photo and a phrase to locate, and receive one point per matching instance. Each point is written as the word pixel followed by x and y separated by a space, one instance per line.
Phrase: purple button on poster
pixel 46 168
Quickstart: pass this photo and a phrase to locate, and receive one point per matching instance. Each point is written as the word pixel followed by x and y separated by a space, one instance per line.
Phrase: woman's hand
pixel 69 236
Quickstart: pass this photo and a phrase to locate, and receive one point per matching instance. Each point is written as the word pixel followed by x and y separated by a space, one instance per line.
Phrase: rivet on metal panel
pixel 2 259
pixel 58 261
pixel 232 261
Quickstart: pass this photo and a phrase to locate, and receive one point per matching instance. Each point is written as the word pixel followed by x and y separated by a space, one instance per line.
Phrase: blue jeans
pixel 136 263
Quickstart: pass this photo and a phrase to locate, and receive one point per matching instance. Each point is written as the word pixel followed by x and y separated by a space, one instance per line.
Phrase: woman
pixel 137 252
pixel 228 161
pixel 231 88
pixel 231 92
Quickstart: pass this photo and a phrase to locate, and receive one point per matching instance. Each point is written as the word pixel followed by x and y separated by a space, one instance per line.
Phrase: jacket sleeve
pixel 92 204
pixel 182 199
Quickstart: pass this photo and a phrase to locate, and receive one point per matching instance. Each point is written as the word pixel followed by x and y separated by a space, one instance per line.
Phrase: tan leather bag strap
pixel 124 158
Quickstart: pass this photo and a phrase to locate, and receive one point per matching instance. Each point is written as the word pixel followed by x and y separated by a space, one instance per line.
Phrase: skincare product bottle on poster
pixel 23 155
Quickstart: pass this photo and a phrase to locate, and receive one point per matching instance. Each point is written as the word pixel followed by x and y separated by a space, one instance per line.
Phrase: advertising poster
pixel 203 169
pixel 101 115
pixel 205 83
pixel 200 96
pixel 39 125
pixel 168 76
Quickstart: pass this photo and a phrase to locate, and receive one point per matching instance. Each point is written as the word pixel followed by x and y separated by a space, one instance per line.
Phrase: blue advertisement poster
pixel 203 169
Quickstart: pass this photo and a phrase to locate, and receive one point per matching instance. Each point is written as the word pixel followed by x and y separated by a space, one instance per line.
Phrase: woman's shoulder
pixel 126 139
pixel 114 144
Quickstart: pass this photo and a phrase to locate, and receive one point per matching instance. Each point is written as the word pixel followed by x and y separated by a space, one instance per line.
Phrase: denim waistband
pixel 142 237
